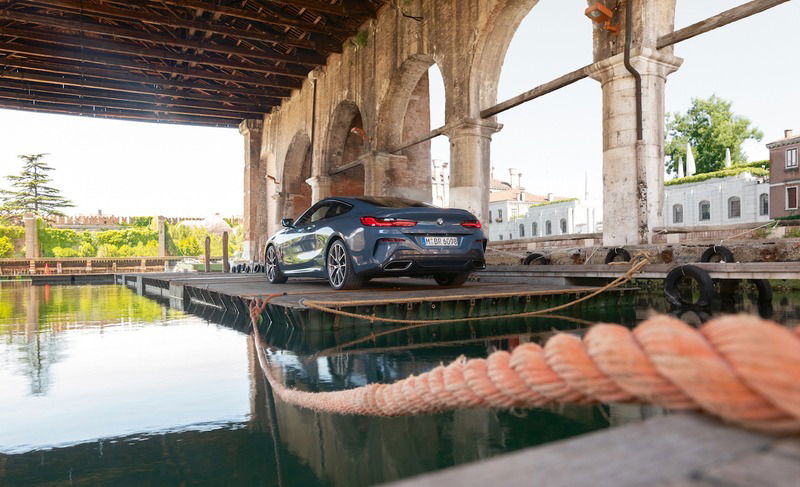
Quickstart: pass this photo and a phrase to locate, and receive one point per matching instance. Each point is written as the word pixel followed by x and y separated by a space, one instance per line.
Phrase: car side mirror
pixel 287 222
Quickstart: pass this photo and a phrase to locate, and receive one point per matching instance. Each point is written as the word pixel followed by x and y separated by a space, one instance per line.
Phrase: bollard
pixel 226 266
pixel 208 254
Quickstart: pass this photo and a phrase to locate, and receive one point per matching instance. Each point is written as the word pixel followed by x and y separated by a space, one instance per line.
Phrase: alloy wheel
pixel 272 263
pixel 337 264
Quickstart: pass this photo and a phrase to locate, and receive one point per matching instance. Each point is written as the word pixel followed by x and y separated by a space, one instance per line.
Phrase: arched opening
pixel 705 211
pixel 555 140
pixel 677 213
pixel 295 191
pixel 734 207
pixel 347 141
pixel 414 104
pixel 763 204
pixel 563 225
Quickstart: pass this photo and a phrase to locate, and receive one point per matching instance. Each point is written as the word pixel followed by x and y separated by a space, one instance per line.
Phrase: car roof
pixel 381 201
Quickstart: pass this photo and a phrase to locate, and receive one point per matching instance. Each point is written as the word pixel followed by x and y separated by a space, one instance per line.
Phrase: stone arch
pixel 295 192
pixel 491 52
pixel 346 142
pixel 405 114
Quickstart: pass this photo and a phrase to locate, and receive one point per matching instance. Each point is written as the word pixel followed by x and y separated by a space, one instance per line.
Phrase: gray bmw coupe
pixel 350 240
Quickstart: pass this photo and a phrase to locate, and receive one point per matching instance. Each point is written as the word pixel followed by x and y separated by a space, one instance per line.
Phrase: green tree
pixel 31 193
pixel 711 127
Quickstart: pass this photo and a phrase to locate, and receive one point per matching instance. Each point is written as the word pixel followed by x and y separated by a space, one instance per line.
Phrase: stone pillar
pixel 162 236
pixel 633 171
pixel 31 237
pixel 255 189
pixel 320 187
pixel 470 167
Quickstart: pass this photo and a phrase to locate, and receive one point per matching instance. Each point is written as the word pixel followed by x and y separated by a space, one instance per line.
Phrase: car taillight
pixel 371 221
pixel 471 224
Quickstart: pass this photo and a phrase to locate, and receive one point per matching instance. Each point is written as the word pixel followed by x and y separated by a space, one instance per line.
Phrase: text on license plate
pixel 441 241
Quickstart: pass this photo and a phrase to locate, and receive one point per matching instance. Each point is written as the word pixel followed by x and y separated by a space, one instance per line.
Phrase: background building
pixel 515 213
pixel 784 175
pixel 440 183
pixel 716 199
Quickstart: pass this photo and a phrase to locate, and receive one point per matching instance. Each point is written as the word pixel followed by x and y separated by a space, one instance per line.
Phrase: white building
pixel 440 183
pixel 743 198
pixel 514 213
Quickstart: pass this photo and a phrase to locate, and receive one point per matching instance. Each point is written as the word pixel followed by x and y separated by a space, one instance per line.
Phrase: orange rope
pixel 741 368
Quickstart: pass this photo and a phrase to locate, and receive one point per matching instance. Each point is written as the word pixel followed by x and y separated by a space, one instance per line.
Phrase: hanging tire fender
pixel 617 252
pixel 724 252
pixel 671 292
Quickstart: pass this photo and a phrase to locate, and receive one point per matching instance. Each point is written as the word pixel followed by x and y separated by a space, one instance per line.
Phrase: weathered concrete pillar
pixel 31 236
pixel 633 171
pixel 162 236
pixel 255 189
pixel 470 166
pixel 274 208
pixel 320 187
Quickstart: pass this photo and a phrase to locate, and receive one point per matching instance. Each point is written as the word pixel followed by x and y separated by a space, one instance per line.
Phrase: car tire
pixel 271 268
pixel 341 274
pixel 451 279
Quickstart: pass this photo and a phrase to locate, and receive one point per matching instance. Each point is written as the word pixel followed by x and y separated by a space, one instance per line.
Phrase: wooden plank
pixel 711 23
pixel 543 89
pixel 153 106
pixel 150 37
pixel 120 114
pixel 655 452
pixel 221 105
pixel 55 52
pixel 259 35
pixel 345 9
pixel 765 468
pixel 90 45
pixel 264 16
pixel 133 82
pixel 430 135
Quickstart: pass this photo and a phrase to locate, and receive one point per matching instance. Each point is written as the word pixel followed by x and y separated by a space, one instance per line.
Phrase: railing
pixel 83 265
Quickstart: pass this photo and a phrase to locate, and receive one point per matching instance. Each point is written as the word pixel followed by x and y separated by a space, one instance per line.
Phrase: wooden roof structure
pixel 201 62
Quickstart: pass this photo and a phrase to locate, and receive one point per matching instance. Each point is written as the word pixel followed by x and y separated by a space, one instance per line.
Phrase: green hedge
pixel 724 173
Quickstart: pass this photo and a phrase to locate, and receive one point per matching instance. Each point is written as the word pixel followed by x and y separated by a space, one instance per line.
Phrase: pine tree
pixel 31 193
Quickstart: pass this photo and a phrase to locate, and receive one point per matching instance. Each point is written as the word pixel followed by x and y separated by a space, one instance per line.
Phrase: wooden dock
pixel 231 293
pixel 736 270
pixel 685 450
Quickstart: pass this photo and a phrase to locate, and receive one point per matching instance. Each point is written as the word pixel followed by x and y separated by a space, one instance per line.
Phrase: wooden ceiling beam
pixel 137 35
pixel 123 62
pixel 131 50
pixel 266 17
pixel 86 101
pixel 270 95
pixel 47 107
pixel 221 105
pixel 258 35
pixel 342 10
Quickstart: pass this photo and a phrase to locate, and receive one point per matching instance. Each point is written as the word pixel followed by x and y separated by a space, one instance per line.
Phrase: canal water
pixel 100 386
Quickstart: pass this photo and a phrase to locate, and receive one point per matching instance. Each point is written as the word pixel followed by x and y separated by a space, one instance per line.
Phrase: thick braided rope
pixel 740 368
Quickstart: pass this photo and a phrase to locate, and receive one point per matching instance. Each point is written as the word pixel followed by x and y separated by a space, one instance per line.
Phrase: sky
pixel 134 168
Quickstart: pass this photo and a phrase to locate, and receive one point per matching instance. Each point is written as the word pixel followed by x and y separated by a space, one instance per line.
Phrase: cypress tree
pixel 31 192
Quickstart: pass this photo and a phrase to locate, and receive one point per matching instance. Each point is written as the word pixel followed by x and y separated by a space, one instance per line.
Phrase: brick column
pixel 633 191
pixel 320 187
pixel 162 237
pixel 31 237
pixel 470 166
pixel 255 190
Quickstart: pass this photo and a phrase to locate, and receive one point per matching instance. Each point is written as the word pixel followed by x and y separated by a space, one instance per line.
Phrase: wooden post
pixel 226 266
pixel 208 254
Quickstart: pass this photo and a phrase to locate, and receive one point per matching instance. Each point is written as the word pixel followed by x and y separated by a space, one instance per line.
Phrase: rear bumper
pixel 410 263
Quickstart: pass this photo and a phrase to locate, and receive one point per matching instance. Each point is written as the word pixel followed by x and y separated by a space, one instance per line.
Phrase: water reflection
pixel 100 386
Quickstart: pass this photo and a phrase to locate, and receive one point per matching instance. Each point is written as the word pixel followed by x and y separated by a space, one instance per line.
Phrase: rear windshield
pixel 393 202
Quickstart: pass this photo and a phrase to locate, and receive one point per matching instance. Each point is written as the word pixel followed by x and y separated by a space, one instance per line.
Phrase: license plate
pixel 441 241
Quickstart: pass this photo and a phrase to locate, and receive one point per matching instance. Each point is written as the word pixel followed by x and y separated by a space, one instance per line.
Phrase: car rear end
pixel 418 241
